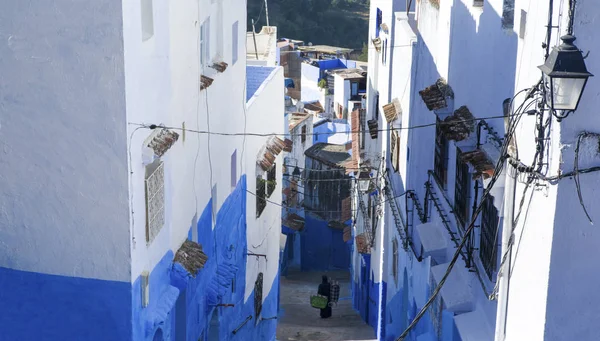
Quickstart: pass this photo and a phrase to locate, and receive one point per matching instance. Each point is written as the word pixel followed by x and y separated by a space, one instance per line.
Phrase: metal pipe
pixel 504 275
pixel 254 37
pixel 243 324
pixel 267 12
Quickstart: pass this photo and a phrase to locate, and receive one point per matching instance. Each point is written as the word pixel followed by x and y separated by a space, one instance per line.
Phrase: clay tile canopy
pixel 459 125
pixel 191 257
pixel 296 118
pixel 220 67
pixel 480 161
pixel 435 95
pixel 288 145
pixel 161 140
pixel 392 110
pixel 361 244
pixel 314 106
pixel 267 156
pixel 205 82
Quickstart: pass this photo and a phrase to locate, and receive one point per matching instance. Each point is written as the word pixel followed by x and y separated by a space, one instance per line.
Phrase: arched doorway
pixel 158 336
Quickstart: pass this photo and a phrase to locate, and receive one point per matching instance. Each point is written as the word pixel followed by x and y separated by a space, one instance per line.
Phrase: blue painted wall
pixel 37 306
pixel 322 248
pixel 46 307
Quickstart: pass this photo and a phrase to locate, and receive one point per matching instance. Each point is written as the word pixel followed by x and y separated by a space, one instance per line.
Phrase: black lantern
pixel 364 181
pixel 565 75
pixel 296 172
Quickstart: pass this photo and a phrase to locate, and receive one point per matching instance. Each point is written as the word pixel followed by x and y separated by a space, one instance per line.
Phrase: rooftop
pixel 324 49
pixel 296 118
pixel 266 45
pixel 353 73
pixel 331 154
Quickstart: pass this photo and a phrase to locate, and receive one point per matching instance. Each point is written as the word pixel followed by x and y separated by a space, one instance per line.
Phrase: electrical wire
pixel 580 137
pixel 498 169
pixel 154 126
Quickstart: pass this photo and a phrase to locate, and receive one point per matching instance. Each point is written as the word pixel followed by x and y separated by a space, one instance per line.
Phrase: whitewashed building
pixel 440 83
pixel 128 187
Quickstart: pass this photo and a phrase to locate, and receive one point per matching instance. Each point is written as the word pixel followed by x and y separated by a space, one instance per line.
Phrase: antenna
pixel 267 12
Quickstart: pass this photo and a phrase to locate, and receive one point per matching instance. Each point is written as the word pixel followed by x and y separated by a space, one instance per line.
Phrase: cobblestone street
pixel 301 322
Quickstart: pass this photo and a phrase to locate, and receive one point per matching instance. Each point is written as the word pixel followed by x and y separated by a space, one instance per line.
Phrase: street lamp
pixel 565 75
pixel 364 181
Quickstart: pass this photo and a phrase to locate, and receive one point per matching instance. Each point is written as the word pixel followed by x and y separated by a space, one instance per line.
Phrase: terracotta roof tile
pixel 435 95
pixel 205 82
pixel 220 67
pixel 272 148
pixel 481 163
pixel 392 110
pixel 161 140
pixel 459 125
pixel 191 257
pixel 294 222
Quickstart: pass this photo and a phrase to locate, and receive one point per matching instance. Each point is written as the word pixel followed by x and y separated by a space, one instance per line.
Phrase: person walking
pixel 325 290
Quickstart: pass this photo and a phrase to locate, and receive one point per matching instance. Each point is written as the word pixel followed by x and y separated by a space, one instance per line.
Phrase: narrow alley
pixel 300 322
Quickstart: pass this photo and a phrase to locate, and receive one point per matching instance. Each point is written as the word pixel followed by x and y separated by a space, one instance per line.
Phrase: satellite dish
pixel 309 43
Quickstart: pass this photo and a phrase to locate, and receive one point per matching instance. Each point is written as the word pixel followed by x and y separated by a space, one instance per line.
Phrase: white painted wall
pixel 310 83
pixel 265 116
pixel 552 286
pixel 63 182
pixel 162 85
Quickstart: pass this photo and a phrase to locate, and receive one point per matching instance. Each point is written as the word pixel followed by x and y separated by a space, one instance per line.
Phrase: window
pixel 258 299
pixel 508 15
pixel 155 199
pixel 261 201
pixel 205 43
pixel 489 232
pixel 440 164
pixel 363 131
pixel 395 150
pixel 378 22
pixel 376 111
pixel 303 134
pixel 147 19
pixel 234 43
pixel 234 169
pixel 271 180
pixel 477 3
pixel 395 260
pixel 384 52
pixel 461 190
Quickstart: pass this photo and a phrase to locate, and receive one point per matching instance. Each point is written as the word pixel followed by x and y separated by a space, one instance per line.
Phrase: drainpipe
pixel 504 275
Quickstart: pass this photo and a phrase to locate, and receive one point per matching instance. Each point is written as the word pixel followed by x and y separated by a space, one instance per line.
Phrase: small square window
pixel 205 43
pixel 303 134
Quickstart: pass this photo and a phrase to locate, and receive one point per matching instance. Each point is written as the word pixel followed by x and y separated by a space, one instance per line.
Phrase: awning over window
pixel 220 67
pixel 161 140
pixel 459 125
pixel 392 110
pixel 205 82
pixel 479 160
pixel 294 222
pixel 377 44
pixel 191 257
pixel 362 244
pixel 435 95
pixel 267 156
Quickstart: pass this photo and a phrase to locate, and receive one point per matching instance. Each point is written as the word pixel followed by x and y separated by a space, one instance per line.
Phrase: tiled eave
pixel 373 128
pixel 479 160
pixel 191 257
pixel 294 222
pixel 161 140
pixel 435 96
pixel 269 153
pixel 392 110
pixel 220 66
pixel 362 244
pixel 459 125
pixel 205 82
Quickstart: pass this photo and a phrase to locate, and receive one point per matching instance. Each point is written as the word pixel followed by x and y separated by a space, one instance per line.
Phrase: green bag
pixel 318 301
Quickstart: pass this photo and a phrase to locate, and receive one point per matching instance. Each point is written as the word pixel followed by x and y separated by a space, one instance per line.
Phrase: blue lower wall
pixel 37 306
pixel 46 307
pixel 322 248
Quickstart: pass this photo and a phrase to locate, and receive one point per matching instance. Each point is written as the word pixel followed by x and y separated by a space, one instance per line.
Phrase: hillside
pixel 342 23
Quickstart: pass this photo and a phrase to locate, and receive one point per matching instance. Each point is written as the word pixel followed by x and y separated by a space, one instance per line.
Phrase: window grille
pixel 271 180
pixel 155 199
pixel 461 190
pixel 258 294
pixel 489 233
pixel 261 202
pixel 440 164
pixel 303 134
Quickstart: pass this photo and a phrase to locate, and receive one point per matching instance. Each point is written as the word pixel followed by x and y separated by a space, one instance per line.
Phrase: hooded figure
pixel 325 290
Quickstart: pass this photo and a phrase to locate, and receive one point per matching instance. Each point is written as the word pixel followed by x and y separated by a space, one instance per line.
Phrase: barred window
pixel 440 162
pixel 461 190
pixel 261 190
pixel 271 180
pixel 489 233
pixel 258 295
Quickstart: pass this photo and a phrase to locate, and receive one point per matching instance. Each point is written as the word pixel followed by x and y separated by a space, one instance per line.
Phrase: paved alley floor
pixel 298 321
